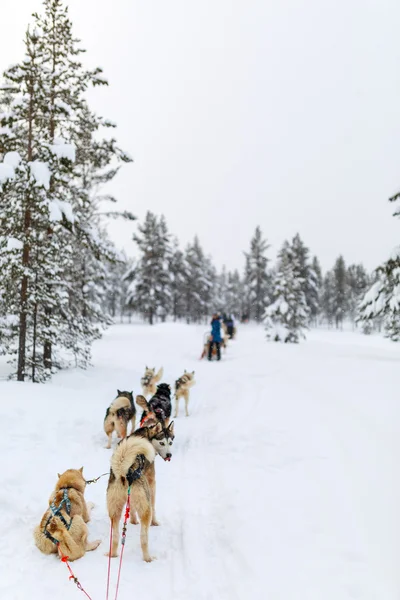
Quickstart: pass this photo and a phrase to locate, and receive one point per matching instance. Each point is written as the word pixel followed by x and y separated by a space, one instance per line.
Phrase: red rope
pixel 128 504
pixel 72 577
pixel 109 561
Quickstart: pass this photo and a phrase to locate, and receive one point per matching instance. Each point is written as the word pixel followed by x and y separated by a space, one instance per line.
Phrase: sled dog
pixel 149 381
pixel 63 525
pixel 118 415
pixel 182 390
pixel 158 408
pixel 132 464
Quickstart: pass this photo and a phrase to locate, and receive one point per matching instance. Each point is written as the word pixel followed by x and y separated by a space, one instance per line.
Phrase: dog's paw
pixel 149 558
pixel 113 554
pixel 155 523
pixel 94 545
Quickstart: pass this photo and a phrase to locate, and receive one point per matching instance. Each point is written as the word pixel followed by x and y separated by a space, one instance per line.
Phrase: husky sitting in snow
pixel 132 464
pixel 63 525
pixel 149 381
pixel 158 408
pixel 118 415
pixel 182 389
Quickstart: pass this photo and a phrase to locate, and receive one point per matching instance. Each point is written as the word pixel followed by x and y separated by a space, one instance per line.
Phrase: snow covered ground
pixel 283 483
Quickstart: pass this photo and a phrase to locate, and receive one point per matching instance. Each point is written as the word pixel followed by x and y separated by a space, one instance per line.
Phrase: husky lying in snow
pixel 63 525
pixel 132 464
pixel 118 415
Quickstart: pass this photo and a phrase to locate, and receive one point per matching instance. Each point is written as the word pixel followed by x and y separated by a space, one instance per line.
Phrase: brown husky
pixel 63 525
pixel 149 381
pixel 132 464
pixel 118 415
pixel 182 389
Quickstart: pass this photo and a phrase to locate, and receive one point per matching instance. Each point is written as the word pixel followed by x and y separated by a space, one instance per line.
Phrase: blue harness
pixel 56 512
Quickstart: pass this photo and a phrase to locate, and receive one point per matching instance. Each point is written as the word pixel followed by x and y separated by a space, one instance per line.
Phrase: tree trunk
pixel 25 255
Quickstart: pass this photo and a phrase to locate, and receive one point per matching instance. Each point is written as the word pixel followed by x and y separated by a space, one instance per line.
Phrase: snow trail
pixel 281 483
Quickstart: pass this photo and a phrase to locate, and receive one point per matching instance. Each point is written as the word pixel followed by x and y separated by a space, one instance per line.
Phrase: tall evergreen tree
pixel 340 300
pixel 286 318
pixel 234 296
pixel 357 282
pixel 328 297
pixel 44 106
pixel 177 270
pixel 257 280
pixel 149 291
pixel 381 304
pixel 306 274
pixel 198 282
pixel 315 290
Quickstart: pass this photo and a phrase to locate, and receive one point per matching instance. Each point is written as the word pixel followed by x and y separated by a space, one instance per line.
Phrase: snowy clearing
pixel 282 483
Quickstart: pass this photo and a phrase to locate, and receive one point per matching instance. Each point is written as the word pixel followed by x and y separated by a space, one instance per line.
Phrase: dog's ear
pixel 58 475
pixel 142 402
pixel 81 470
pixel 192 372
pixel 184 371
pixel 131 393
pixel 158 428
pixel 171 428
pixel 118 392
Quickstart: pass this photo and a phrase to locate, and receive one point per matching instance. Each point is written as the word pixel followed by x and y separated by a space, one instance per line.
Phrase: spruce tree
pixel 286 318
pixel 357 282
pixel 177 270
pixel 328 297
pixel 149 291
pixel 340 300
pixel 44 203
pixel 199 282
pixel 382 301
pixel 306 273
pixel 234 295
pixel 315 290
pixel 257 280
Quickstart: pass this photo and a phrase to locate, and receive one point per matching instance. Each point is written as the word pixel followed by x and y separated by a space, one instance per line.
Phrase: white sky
pixel 283 113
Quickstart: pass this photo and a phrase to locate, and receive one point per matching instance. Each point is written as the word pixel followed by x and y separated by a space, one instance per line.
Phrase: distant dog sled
pixel 207 339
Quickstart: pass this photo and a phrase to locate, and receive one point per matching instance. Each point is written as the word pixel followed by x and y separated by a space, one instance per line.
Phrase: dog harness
pixel 179 382
pixel 134 474
pixel 56 512
pixel 146 380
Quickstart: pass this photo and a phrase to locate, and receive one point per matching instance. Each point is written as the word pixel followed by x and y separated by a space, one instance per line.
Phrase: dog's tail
pixel 142 402
pixel 126 452
pixel 160 373
pixel 66 544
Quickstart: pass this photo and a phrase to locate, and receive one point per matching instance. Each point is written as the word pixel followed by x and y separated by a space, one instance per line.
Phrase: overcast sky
pixel 282 113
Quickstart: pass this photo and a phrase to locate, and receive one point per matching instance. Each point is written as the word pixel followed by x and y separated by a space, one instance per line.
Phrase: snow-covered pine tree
pixel 43 100
pixel 32 214
pixel 199 283
pixel 177 270
pixel 328 298
pixel 340 299
pixel 358 283
pixel 381 304
pixel 149 293
pixel 286 318
pixel 234 295
pixel 306 273
pixel 257 280
pixel 315 291
pixel 221 289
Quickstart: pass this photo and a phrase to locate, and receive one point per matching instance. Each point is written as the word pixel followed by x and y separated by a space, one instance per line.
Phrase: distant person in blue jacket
pixel 216 337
